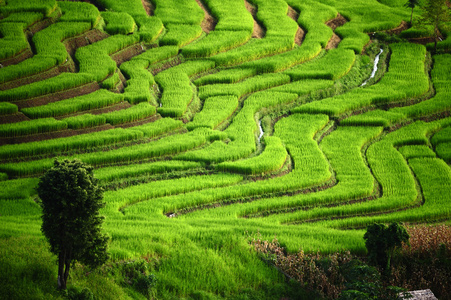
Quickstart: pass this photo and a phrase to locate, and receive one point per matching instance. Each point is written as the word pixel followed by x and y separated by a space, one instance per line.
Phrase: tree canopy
pixel 71 222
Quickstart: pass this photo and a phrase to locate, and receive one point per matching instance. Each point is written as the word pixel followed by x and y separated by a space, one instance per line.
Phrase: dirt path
pixel 300 34
pixel 148 6
pixel 259 31
pixel 208 23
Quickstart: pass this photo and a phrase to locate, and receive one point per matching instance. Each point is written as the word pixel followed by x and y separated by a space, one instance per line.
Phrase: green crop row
pixel 31 127
pixel 215 42
pixel 249 85
pixel 241 131
pixel 97 99
pixel 231 15
pixel 79 12
pixel 55 84
pixel 180 34
pixel 131 114
pixel 177 93
pixel 94 59
pixel 29 18
pixel 84 121
pixel 118 22
pixel 271 159
pixel 405 78
pixel 440 102
pixel 13 39
pixel 214 112
pixel 273 16
pixel 118 200
pixel 45 7
pixel 159 167
pixel 77 142
pixel 335 64
pixel 225 76
pixel 8 108
pixel 253 50
pixel 176 12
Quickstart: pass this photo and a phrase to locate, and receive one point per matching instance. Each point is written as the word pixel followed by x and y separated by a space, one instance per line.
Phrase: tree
pixel 381 242
pixel 435 15
pixel 71 222
pixel 411 4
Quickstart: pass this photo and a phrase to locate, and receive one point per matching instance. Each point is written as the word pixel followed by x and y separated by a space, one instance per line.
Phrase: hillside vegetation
pixel 209 121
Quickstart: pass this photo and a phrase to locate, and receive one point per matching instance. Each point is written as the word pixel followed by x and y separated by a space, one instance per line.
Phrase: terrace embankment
pixel 300 34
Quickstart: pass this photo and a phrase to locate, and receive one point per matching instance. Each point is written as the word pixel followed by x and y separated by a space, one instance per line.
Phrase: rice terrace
pixel 229 137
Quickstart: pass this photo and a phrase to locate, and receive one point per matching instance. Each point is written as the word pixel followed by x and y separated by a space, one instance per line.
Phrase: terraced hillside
pixel 207 120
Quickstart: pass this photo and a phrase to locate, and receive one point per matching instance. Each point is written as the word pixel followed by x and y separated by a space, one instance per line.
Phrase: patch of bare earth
pixel 259 31
pixel 71 93
pixel 300 34
pixel 13 118
pixel 148 7
pixel 333 24
pixel 208 23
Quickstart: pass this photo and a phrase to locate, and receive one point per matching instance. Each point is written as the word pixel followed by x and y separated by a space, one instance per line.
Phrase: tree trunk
pixel 61 263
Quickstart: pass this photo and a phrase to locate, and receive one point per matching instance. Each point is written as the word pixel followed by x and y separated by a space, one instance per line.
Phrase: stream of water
pixel 376 61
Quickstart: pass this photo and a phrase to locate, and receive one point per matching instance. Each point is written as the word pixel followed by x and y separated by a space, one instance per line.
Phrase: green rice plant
pixel 84 121
pixel 159 167
pixel 13 39
pixel 375 117
pixel 131 114
pixel 111 82
pixel 232 15
pixel 273 16
pixel 28 67
pixel 405 78
pixel 215 42
pixel 159 127
pixel 249 85
pixel 45 7
pixel 177 93
pixel 79 12
pixel 271 159
pixel 149 27
pixel 18 188
pixel 416 151
pixel 193 67
pixel 441 80
pixel 225 76
pixel 94 59
pixel 120 199
pixel 29 18
pixel 303 87
pixel 8 108
pixel 335 64
pixel 283 61
pixel 77 142
pixel 158 54
pixel 54 84
pixel 443 136
pixel 98 99
pixel 118 22
pixel 175 12
pixel 443 151
pixel 180 35
pixel 215 111
pixel 31 127
pixel 253 50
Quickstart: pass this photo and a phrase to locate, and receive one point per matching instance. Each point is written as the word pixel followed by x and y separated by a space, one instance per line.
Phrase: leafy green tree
pixel 411 4
pixel 71 222
pixel 435 15
pixel 381 242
